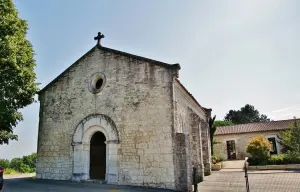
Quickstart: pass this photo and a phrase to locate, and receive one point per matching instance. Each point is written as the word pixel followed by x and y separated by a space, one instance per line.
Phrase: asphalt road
pixel 221 181
pixel 34 185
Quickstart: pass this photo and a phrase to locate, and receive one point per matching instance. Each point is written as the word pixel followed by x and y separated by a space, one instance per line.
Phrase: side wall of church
pixel 189 136
pixel 137 96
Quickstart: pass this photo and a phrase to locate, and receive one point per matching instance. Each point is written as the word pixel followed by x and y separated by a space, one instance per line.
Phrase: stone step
pixel 216 188
pixel 223 184
pixel 94 181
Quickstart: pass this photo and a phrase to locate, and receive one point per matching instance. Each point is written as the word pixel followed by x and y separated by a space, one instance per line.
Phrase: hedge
pixel 26 164
pixel 282 159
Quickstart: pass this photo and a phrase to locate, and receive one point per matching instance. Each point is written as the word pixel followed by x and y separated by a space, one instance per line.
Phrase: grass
pixel 9 171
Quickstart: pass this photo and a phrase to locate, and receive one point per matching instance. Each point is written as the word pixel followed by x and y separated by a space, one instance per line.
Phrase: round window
pixel 97 82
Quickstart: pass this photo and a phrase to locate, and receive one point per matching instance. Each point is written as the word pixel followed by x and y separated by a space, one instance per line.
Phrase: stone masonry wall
pixel 206 147
pixel 181 161
pixel 188 118
pixel 137 97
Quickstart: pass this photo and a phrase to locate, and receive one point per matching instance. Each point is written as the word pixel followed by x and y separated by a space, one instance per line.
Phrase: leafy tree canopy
pixel 17 77
pixel 222 123
pixel 247 114
pixel 290 139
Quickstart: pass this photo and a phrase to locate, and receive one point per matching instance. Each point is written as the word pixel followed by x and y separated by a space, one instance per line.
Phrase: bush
pixel 282 159
pixel 216 158
pixel 277 159
pixel 21 165
pixel 259 148
pixel 10 171
pixel 30 160
pixel 4 163
pixel 26 164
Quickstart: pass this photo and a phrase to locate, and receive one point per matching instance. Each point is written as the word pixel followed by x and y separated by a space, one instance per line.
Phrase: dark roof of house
pixel 205 109
pixel 255 127
pixel 166 65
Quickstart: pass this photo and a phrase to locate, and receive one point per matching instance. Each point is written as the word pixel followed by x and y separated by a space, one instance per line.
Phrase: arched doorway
pixel 82 140
pixel 98 156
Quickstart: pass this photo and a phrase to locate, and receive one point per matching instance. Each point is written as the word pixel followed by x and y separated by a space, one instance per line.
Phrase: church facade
pixel 123 119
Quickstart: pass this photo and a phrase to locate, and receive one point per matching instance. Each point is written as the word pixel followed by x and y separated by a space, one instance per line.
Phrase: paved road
pixel 219 181
pixel 33 185
pixel 260 181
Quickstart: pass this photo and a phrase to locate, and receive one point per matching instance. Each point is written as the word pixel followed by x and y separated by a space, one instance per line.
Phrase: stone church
pixel 123 119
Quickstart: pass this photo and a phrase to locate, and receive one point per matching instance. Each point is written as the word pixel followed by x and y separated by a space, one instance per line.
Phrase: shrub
pixel 25 168
pixel 282 159
pixel 259 148
pixel 4 163
pixel 10 171
pixel 216 158
pixel 30 160
pixel 25 164
pixel 277 159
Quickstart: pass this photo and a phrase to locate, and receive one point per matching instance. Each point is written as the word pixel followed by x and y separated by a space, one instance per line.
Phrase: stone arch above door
pixel 81 146
pixel 104 123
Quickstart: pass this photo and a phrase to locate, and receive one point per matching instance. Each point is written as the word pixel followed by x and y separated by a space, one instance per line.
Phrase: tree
pixel 212 130
pixel 259 148
pixel 30 160
pixel 247 114
pixel 17 77
pixel 213 127
pixel 4 163
pixel 290 139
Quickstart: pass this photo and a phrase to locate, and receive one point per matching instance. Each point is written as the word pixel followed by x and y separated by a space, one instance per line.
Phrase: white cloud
pixel 288 115
pixel 281 110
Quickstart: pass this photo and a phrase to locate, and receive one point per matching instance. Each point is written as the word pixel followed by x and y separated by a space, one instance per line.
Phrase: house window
pixel 273 151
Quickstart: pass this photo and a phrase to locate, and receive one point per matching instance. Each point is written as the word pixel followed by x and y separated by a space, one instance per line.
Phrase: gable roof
pixel 166 65
pixel 255 127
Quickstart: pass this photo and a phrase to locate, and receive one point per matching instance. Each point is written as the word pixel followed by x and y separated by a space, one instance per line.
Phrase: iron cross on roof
pixel 98 38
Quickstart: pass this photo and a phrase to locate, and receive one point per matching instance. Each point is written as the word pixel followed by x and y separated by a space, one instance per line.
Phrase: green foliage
pixel 26 164
pixel 4 163
pixel 222 123
pixel 282 159
pixel 212 130
pixel 216 158
pixel 30 160
pixel 290 139
pixel 10 171
pixel 17 77
pixel 259 148
pixel 247 114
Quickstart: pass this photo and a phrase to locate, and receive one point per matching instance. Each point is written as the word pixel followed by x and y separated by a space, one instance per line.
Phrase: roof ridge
pixel 175 65
pixel 255 127
pixel 259 122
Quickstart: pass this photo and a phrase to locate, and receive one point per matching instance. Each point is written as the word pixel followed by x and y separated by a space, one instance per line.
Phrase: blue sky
pixel 231 52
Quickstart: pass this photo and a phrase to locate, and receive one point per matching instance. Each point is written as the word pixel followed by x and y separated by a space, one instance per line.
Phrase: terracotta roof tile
pixel 255 127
